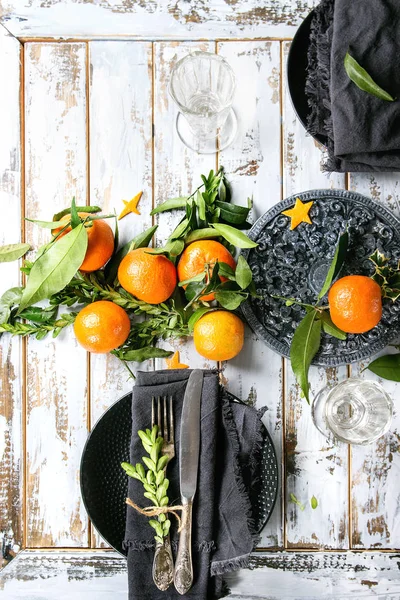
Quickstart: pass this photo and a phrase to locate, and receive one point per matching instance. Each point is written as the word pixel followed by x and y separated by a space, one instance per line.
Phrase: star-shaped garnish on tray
pixel 131 206
pixel 299 213
pixel 174 362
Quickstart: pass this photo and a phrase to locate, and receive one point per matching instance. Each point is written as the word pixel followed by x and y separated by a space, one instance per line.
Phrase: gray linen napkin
pixel 223 518
pixel 363 131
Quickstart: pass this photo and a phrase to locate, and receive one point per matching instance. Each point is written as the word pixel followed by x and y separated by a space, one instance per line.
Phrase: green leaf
pixel 164 501
pixel 295 501
pixel 387 367
pixel 234 236
pixel 9 299
pixel 140 241
pixel 330 328
pixel 230 300
pixel 39 315
pixel 170 204
pixel 160 477
pixel 11 252
pixel 162 462
pixel 336 264
pixel 151 497
pixel 166 527
pixel 75 220
pixel 141 354
pixel 363 80
pixel 153 523
pixel 197 315
pixel 154 454
pixel 158 539
pixel 153 433
pixel 56 267
pixel 201 205
pixel 201 234
pixel 140 470
pixel 200 277
pixel 314 503
pixel 145 437
pixel 67 211
pixel 226 271
pixel 232 213
pixel 148 487
pixel 149 463
pixel 48 224
pixel 304 346
pixel 243 273
pixel 129 469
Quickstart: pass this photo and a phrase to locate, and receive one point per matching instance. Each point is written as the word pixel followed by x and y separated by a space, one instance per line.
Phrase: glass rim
pixel 212 56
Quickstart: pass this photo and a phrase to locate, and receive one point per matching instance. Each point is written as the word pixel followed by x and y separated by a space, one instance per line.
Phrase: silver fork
pixel 163 564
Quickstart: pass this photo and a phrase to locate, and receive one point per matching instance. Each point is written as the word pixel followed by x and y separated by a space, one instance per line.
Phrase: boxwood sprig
pixel 154 481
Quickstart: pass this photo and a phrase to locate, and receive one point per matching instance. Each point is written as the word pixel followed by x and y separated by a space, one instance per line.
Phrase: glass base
pixel 224 138
pixel 354 412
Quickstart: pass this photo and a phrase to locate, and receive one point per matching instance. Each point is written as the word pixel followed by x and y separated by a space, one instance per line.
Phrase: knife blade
pixel 189 452
pixel 189 448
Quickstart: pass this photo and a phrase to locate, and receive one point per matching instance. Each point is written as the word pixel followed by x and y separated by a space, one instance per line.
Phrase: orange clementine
pixel 149 277
pixel 197 254
pixel 100 243
pixel 102 326
pixel 355 303
pixel 219 335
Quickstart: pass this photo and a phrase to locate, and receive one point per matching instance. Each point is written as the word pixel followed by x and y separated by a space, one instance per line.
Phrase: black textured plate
pixel 104 485
pixel 297 73
pixel 294 264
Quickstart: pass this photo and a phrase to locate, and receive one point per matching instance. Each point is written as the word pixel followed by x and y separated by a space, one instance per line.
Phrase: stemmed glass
pixel 202 84
pixel 356 411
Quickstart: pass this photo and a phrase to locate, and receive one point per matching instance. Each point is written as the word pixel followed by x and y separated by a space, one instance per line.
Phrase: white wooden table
pixel 84 111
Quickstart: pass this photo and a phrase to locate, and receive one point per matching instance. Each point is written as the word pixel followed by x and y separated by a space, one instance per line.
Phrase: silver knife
pixel 189 451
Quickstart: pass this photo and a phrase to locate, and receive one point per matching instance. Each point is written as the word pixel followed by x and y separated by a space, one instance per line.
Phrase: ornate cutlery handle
pixel 163 565
pixel 183 578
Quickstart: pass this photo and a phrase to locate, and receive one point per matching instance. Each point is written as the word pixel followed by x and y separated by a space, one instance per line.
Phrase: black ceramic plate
pixel 297 72
pixel 104 485
pixel 294 264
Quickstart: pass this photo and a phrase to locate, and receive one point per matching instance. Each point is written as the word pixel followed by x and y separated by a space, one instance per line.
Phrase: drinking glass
pixel 356 411
pixel 203 84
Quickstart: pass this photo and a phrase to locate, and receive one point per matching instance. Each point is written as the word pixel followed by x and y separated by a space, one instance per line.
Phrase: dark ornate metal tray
pixel 104 485
pixel 294 264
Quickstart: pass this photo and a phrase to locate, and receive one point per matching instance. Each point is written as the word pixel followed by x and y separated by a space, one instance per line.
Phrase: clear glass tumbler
pixel 356 411
pixel 203 84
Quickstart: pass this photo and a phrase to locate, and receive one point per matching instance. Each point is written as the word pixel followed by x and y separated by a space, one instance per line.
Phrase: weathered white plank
pixel 120 167
pixel 155 19
pixel 375 468
pixel 253 166
pixel 177 169
pixel 56 369
pixel 270 576
pixel 314 465
pixel 11 459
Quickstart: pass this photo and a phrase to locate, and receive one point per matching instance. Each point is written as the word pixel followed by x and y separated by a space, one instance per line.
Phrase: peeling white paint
pixel 158 19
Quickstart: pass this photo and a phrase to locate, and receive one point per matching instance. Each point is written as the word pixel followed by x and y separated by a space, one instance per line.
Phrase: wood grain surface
pixel 56 170
pixel 11 366
pixel 99 124
pixel 270 576
pixel 160 19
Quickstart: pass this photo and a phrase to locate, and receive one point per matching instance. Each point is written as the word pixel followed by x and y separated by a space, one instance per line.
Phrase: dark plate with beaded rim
pixel 104 484
pixel 295 263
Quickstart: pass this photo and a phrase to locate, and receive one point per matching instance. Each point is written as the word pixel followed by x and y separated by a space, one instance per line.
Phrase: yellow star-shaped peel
pixel 299 213
pixel 174 362
pixel 131 206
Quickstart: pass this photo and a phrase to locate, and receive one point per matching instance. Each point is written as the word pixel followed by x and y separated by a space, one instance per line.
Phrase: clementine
pixel 219 335
pixel 149 277
pixel 101 326
pixel 355 303
pixel 195 257
pixel 100 243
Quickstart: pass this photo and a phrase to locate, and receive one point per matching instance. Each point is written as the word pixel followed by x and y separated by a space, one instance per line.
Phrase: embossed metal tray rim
pixel 257 228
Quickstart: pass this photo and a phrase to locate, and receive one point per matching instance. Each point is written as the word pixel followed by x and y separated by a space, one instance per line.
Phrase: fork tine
pixel 153 419
pixel 159 422
pixel 165 433
pixel 171 421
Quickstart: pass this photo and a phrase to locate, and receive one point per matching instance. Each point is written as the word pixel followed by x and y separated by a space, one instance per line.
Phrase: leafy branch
pixel 153 480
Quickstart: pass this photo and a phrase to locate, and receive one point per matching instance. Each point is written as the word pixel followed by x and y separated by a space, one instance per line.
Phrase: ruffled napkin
pixel 223 516
pixel 363 131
